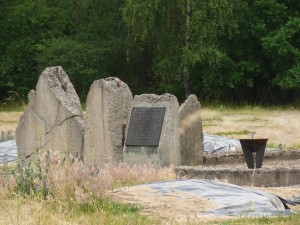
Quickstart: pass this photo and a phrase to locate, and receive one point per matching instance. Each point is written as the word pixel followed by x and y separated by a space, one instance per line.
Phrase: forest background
pixel 234 51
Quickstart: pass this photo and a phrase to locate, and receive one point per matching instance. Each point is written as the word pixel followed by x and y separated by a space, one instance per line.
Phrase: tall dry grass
pixel 77 180
pixel 76 192
pixel 68 178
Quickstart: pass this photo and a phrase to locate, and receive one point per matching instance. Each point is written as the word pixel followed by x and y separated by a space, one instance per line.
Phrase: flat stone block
pixel 167 151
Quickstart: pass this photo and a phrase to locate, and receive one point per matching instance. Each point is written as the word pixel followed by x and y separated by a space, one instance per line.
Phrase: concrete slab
pixel 273 174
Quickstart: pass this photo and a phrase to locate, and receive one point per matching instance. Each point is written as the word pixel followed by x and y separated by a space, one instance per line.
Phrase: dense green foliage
pixel 242 51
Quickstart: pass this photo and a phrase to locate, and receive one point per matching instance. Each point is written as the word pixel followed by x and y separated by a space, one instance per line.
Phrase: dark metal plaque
pixel 145 126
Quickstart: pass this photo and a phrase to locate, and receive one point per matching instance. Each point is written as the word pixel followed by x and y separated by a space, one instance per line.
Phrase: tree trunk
pixel 145 64
pixel 187 88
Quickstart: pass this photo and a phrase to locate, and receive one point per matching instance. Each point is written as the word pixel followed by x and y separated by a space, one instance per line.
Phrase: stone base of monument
pixel 152 137
pixel 141 156
pixel 281 168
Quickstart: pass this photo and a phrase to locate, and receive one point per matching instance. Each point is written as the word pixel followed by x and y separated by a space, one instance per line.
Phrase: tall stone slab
pixel 53 118
pixel 191 135
pixel 108 107
pixel 141 146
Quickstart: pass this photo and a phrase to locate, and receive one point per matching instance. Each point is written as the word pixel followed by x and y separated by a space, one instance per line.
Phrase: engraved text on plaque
pixel 145 126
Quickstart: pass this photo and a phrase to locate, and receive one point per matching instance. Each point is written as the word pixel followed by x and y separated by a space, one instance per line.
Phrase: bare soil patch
pixel 175 207
pixel 181 207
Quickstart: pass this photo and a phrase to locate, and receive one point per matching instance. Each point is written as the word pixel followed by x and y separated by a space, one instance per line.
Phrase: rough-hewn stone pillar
pixel 191 135
pixel 53 118
pixel 108 107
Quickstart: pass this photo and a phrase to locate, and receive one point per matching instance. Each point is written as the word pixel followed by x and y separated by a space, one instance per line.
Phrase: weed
pixel 241 132
pixel 54 187
pixel 6 136
pixel 113 207
pixel 29 179
pixel 279 146
pixel 6 170
pixel 221 108
pixel 66 178
pixel 287 220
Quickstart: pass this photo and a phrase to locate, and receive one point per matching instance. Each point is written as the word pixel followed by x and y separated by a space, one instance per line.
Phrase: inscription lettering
pixel 145 126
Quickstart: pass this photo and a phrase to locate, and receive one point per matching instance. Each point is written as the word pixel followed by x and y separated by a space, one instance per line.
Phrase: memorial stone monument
pixel 53 119
pixel 152 135
pixel 108 106
pixel 191 137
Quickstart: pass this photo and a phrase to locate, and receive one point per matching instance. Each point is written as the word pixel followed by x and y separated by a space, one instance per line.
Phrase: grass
pixel 19 210
pixel 241 132
pixel 54 189
pixel 77 193
pixel 280 125
pixel 286 220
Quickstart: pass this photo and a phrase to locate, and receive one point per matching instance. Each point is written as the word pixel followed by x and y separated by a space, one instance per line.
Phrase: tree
pixel 26 24
pixel 240 51
pixel 85 37
pixel 282 47
pixel 183 34
pixel 266 51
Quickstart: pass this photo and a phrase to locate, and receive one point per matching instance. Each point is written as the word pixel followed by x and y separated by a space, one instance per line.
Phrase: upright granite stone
pixel 53 118
pixel 152 136
pixel 108 108
pixel 191 135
